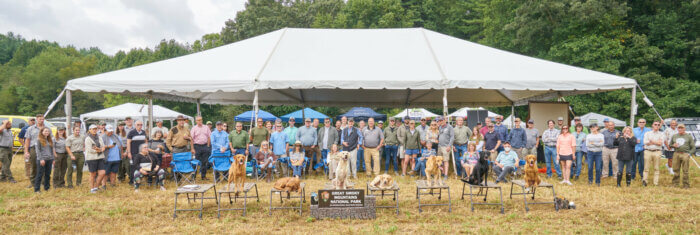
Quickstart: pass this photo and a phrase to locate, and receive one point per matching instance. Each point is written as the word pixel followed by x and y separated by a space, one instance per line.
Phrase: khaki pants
pixel 79 162
pixel 609 155
pixel 6 160
pixel 651 160
pixel 681 161
pixel 401 152
pixel 372 160
pixel 60 165
pixel 353 163
pixel 529 151
pixel 492 156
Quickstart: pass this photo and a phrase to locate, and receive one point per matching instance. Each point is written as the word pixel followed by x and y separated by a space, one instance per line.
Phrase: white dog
pixel 342 171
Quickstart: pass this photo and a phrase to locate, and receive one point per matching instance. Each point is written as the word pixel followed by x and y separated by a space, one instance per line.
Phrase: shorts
pixel 96 165
pixel 412 151
pixel 668 154
pixel 566 157
pixel 112 167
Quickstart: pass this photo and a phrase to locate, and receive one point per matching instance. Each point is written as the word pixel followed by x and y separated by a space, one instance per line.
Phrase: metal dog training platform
pixel 194 190
pixel 524 192
pixel 231 191
pixel 301 196
pixel 425 185
pixel 380 192
pixel 485 194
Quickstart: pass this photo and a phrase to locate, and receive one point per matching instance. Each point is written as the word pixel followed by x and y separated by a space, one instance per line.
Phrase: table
pixel 301 196
pixel 525 192
pixel 481 188
pixel 201 189
pixel 394 190
pixel 425 185
pixel 246 188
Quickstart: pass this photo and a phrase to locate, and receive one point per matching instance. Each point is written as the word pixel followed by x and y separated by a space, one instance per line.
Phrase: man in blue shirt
pixel 219 139
pixel 638 161
pixel 505 163
pixel 501 130
pixel 517 138
pixel 280 146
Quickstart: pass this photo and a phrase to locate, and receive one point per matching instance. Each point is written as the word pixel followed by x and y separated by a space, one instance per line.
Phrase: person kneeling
pixel 505 163
pixel 147 166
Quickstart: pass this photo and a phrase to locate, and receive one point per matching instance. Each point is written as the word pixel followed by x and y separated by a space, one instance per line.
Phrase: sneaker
pixel 104 187
pixel 162 188
pixel 70 186
pixel 590 182
pixel 13 181
pixel 94 190
pixel 644 183
pixel 136 190
pixel 563 182
pixel 670 170
pixel 569 182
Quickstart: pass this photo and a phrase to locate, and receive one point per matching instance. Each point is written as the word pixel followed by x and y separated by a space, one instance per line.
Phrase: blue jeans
pixel 44 172
pixel 550 155
pixel 576 171
pixel 360 159
pixel 624 164
pixel 597 158
pixel 638 164
pixel 459 151
pixel 296 170
pixel 239 151
pixel 322 162
pixel 420 165
pixel 391 151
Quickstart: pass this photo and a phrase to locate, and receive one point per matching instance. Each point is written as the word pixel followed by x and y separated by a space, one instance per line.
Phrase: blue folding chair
pixel 257 169
pixel 286 162
pixel 184 168
pixel 221 163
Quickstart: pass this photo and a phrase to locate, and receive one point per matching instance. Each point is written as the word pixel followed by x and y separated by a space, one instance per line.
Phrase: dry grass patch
pixel 604 209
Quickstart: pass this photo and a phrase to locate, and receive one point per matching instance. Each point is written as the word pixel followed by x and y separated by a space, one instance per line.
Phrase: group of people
pixel 112 154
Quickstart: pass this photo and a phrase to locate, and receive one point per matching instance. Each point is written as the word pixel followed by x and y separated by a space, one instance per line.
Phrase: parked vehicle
pixel 692 126
pixel 20 121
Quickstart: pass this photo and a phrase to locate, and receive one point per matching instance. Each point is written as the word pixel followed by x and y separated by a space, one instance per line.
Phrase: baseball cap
pixel 530 121
pixel 218 123
pixel 92 126
pixel 291 118
pixel 560 119
pixel 391 118
pixel 681 125
pixel 577 118
pixel 62 128
pixel 507 142
pixel 307 120
pixel 297 143
pixel 606 120
pixel 380 121
pixel 208 122
pixel 180 117
pixel 109 128
pixel 158 120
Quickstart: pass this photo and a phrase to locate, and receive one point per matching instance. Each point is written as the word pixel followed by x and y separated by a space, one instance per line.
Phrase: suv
pixel 17 121
pixel 692 127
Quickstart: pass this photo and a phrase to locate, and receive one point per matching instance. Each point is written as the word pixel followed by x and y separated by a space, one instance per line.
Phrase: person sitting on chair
pixel 505 163
pixel 296 158
pixel 265 159
pixel 148 166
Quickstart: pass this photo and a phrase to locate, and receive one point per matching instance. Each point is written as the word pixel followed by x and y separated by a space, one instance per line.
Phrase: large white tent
pixel 135 111
pixel 463 112
pixel 590 118
pixel 416 113
pixel 354 67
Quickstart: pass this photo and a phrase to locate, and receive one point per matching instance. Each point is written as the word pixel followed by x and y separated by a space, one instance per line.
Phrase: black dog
pixel 480 172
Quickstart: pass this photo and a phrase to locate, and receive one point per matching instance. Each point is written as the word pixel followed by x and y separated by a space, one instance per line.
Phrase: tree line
pixel 654 42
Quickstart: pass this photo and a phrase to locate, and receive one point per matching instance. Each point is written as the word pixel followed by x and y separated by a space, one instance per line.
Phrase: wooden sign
pixel 341 198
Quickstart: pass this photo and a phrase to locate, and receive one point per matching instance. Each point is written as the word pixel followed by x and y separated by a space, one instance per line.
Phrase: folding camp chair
pixel 288 164
pixel 221 163
pixel 184 168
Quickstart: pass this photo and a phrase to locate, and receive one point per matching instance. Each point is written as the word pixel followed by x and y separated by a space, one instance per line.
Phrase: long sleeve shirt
pixel 219 139
pixel 517 138
pixel 639 134
pixel 462 134
pixel 655 136
pixel 686 143
pixel 580 140
pixel 594 142
pixel 307 136
pixel 502 131
pixel 610 137
pixel 44 152
pixel 549 137
pixel 390 137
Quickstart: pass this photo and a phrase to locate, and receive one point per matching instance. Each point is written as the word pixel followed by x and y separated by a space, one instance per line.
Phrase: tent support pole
pixel 199 111
pixel 69 112
pixel 512 114
pixel 444 103
pixel 633 105
pixel 150 112
pixel 255 109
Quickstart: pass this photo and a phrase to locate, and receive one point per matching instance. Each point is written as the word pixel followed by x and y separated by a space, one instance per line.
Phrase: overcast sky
pixel 114 25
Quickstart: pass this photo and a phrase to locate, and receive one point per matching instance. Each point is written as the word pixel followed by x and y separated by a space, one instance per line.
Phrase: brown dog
pixel 287 184
pixel 237 173
pixel 383 181
pixel 532 178
pixel 432 169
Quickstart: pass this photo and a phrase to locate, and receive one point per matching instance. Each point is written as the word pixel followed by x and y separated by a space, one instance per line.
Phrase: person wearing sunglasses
pixel 653 142
pixel 638 161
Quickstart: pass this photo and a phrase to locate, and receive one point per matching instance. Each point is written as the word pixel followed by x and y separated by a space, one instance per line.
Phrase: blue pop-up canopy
pixel 249 115
pixel 362 113
pixel 308 113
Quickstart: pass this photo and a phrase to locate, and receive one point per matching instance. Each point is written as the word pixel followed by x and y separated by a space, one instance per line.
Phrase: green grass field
pixel 605 209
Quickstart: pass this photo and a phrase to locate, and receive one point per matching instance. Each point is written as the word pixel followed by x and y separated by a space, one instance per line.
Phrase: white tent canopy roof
pixel 135 111
pixel 590 118
pixel 463 112
pixel 416 113
pixel 347 67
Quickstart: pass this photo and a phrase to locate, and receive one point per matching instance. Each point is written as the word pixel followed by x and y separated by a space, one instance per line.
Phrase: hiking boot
pixel 628 179
pixel 619 179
